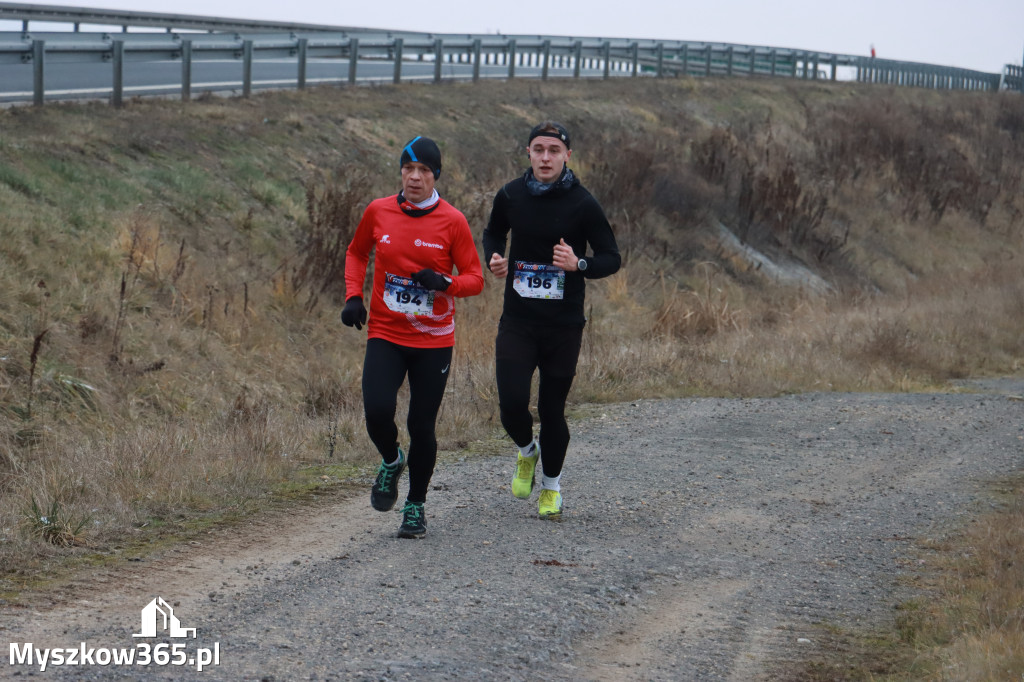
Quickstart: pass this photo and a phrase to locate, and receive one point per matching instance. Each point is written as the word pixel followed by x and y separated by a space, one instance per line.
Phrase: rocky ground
pixel 703 539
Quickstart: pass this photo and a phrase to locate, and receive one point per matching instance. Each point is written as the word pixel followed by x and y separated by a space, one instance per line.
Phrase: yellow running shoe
pixel 550 505
pixel 522 482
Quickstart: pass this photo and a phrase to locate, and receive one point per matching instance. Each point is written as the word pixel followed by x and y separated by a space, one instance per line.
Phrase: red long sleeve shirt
pixel 404 244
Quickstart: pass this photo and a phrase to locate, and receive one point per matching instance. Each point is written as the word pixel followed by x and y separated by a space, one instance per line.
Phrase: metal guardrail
pixel 1013 78
pixel 543 55
pixel 17 11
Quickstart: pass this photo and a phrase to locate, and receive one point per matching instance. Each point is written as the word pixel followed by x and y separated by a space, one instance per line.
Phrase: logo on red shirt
pixel 420 242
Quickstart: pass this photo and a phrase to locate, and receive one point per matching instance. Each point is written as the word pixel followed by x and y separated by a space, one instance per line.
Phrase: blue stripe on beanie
pixel 410 151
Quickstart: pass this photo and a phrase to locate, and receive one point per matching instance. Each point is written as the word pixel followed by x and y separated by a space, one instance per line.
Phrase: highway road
pixel 91 80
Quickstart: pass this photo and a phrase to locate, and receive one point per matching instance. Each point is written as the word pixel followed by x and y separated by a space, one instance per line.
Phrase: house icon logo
pixel 158 615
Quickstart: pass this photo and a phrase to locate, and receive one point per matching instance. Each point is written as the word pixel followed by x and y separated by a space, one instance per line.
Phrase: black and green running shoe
pixel 384 492
pixel 414 523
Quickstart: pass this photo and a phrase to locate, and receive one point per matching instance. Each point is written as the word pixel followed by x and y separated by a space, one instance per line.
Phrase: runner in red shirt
pixel 419 242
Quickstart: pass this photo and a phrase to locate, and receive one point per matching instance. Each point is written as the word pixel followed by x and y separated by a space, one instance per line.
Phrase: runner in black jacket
pixel 552 219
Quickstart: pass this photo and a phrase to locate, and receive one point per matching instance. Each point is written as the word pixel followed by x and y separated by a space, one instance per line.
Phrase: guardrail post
pixel 302 59
pixel 635 49
pixel 707 61
pixel 438 59
pixel 477 47
pixel 398 60
pixel 511 59
pixel 353 59
pixel 753 61
pixel 577 50
pixel 684 54
pixel 117 96
pixel 606 52
pixel 835 66
pixel 729 54
pixel 246 68
pixel 816 63
pixel 659 55
pixel 38 71
pixel 546 56
pixel 186 70
pixel 774 57
pixel 795 57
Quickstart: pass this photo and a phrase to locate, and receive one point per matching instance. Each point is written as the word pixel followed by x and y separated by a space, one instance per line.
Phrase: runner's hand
pixel 498 265
pixel 354 314
pixel 428 279
pixel 564 257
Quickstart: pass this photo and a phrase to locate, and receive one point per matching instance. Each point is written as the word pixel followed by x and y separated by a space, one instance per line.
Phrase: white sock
pixel 530 450
pixel 550 483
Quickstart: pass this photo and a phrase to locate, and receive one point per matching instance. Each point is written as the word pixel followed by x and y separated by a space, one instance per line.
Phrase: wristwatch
pixel 582 264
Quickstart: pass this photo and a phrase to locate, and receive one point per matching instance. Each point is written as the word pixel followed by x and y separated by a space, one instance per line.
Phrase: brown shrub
pixel 334 205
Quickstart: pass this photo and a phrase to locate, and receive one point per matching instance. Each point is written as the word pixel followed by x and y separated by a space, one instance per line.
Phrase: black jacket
pixel 536 224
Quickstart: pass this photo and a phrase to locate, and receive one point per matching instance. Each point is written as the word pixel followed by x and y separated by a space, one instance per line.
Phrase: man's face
pixel 417 181
pixel 548 156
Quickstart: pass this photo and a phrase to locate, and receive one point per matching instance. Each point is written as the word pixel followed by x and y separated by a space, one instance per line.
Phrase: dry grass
pixel 185 357
pixel 971 626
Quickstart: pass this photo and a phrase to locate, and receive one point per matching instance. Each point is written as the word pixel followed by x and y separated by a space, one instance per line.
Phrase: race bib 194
pixel 538 280
pixel 403 295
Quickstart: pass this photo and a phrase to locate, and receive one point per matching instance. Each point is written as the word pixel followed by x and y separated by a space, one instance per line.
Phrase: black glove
pixel 428 279
pixel 354 314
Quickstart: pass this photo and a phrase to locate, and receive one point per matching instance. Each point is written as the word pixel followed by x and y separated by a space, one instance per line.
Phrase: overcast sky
pixel 982 35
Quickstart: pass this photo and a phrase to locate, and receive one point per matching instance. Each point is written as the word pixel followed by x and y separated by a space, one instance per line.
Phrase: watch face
pixel 582 265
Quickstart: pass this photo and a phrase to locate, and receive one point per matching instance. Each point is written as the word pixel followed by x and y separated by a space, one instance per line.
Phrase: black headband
pixel 559 133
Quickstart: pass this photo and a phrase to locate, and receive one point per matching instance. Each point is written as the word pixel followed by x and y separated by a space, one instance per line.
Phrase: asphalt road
pixel 84 80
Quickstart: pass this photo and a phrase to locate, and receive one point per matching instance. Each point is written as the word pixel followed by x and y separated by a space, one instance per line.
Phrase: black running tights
pixel 514 379
pixel 384 369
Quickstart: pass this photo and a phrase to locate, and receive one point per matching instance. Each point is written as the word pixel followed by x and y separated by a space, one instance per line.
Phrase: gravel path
pixel 702 539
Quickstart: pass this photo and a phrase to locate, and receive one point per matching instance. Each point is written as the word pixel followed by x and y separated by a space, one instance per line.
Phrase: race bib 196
pixel 403 295
pixel 538 280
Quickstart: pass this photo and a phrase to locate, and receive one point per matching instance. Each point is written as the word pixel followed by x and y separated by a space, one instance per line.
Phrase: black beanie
pixel 423 150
